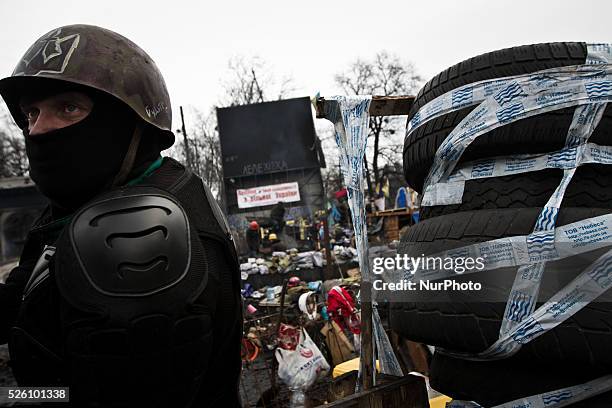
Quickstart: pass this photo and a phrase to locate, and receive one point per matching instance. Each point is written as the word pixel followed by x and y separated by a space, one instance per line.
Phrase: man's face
pixel 55 112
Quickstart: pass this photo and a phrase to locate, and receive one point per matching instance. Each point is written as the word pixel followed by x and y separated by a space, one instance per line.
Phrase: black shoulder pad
pixel 217 212
pixel 134 245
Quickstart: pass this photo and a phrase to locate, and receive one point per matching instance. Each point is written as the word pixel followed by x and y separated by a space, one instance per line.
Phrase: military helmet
pixel 98 58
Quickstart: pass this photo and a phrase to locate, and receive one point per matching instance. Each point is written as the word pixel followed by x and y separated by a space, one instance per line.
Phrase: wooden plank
pixel 380 105
pixel 328 252
pixel 396 213
pixel 406 392
pixel 391 228
pixel 367 347
pixel 391 105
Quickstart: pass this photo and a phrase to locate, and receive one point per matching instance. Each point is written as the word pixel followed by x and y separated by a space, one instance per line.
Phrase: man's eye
pixel 71 108
pixel 31 114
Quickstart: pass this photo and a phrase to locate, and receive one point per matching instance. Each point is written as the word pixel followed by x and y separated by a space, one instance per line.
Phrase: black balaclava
pixel 73 164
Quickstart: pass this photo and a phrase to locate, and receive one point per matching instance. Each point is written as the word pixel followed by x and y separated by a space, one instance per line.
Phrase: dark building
pixel 20 204
pixel 268 146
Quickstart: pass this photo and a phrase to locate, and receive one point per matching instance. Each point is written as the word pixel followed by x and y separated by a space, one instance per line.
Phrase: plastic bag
pixel 288 336
pixel 299 369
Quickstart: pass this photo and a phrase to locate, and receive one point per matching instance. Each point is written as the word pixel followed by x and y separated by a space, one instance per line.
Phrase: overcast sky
pixel 191 41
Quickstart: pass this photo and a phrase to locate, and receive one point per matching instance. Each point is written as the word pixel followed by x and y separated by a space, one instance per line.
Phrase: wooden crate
pixel 405 392
pixel 394 220
pixel 392 228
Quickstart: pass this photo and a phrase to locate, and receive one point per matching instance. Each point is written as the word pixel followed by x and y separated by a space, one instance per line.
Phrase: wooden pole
pixel 187 150
pixel 367 346
pixel 327 246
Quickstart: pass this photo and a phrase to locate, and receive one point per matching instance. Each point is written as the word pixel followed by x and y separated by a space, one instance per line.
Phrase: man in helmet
pixel 253 238
pixel 127 290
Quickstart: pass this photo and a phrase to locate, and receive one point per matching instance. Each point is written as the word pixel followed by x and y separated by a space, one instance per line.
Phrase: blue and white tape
pixel 589 88
pixel 502 88
pixel 350 116
pixel 569 240
pixel 541 242
pixel 585 288
pixel 490 115
pixel 451 190
pixel 551 399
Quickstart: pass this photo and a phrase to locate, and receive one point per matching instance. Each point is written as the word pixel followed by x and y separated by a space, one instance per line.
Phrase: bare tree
pixel 13 159
pixel 332 174
pixel 251 80
pixel 384 75
pixel 202 152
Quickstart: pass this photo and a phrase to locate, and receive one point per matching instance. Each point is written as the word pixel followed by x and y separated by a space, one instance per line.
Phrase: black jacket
pixel 218 386
pixel 253 239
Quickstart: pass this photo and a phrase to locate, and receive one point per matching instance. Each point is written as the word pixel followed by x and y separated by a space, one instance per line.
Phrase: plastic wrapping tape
pixel 589 87
pixel 475 93
pixel 503 101
pixel 350 116
pixel 384 350
pixel 557 399
pixel 585 288
pixel 525 289
pixel 570 240
pixel 451 191
pixel 518 324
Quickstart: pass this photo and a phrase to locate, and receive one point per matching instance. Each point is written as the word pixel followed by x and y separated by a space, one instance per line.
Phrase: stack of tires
pixel 578 350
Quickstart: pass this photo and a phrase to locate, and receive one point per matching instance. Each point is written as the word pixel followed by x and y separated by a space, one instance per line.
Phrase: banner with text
pixel 268 195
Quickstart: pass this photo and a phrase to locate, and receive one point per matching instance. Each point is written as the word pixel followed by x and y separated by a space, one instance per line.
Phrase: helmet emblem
pixel 50 54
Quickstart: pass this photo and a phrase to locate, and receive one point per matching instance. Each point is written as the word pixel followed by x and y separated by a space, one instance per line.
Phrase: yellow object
pixel 439 402
pixel 349 365
pixel 353 365
pixel 272 236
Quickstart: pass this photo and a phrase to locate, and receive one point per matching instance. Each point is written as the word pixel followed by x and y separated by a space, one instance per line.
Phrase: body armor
pixel 137 297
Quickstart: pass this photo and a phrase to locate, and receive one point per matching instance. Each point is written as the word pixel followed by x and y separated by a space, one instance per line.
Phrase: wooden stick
pixel 367 347
pixel 380 105
pixel 327 246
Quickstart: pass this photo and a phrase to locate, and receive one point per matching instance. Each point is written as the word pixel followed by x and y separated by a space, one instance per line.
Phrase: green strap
pixel 154 166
